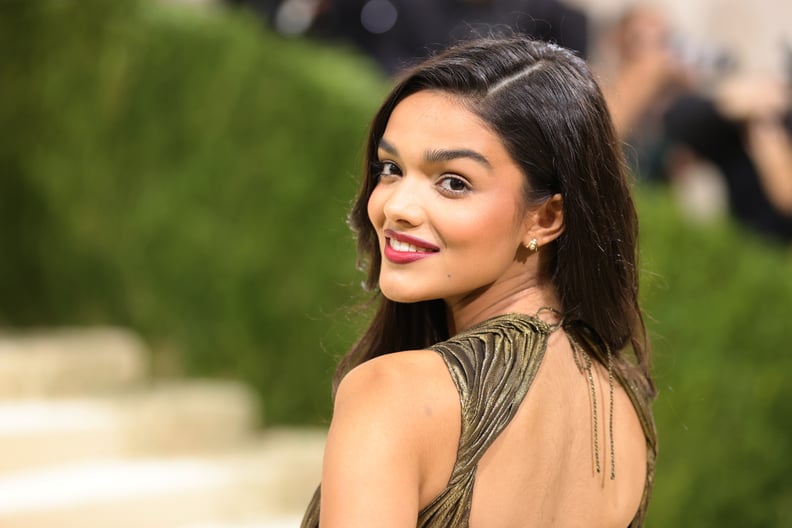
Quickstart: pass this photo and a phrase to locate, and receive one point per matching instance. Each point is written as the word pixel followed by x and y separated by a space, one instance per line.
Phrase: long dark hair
pixel 550 113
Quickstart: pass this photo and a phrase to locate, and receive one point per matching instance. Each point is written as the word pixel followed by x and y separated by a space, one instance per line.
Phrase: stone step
pixel 273 521
pixel 70 361
pixel 36 433
pixel 190 415
pixel 299 452
pixel 272 478
pixel 175 417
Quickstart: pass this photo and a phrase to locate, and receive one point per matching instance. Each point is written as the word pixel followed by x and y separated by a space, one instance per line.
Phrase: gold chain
pixel 585 366
pixel 610 416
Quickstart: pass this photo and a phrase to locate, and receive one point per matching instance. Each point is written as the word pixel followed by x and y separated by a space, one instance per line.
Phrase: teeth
pixel 405 247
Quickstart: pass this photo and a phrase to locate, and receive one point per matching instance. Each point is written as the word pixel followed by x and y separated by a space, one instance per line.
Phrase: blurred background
pixel 177 280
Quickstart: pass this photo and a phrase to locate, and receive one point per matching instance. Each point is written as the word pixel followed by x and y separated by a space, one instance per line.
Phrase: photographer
pixel 745 131
pixel 684 114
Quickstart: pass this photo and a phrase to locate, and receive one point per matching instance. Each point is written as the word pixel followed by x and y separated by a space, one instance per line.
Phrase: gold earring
pixel 533 245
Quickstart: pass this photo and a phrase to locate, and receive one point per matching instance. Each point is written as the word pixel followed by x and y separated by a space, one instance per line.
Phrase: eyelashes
pixel 451 185
pixel 378 169
pixel 375 169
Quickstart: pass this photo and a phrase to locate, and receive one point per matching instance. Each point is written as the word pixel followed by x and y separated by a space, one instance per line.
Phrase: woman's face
pixel 448 205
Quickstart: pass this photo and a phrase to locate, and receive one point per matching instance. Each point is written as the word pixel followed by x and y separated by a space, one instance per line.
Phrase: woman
pixel 492 388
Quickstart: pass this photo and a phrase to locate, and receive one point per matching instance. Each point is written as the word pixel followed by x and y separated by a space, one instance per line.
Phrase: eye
pixel 453 185
pixel 384 169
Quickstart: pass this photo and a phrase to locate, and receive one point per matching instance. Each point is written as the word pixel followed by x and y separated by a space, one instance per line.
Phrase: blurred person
pixel 684 121
pixel 648 70
pixel 644 73
pixel 763 107
pixel 494 385
pixel 397 32
pixel 745 130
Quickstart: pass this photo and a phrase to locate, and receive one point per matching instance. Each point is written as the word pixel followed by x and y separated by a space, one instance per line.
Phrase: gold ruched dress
pixel 493 365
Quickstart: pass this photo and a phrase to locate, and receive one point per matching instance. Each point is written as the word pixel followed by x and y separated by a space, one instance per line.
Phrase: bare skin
pixel 376 473
pixel 393 440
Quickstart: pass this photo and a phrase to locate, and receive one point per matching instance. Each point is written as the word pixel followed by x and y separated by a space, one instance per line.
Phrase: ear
pixel 546 222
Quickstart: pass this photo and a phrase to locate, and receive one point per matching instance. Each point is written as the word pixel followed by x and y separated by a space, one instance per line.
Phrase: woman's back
pixel 541 470
pixel 537 465
pixel 508 440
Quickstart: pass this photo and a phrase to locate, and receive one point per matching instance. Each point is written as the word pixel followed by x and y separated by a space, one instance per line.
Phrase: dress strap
pixel 492 365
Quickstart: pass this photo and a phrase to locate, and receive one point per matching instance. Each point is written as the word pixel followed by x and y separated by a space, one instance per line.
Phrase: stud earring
pixel 533 245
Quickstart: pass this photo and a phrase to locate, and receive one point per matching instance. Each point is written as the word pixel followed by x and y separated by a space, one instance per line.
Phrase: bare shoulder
pixel 396 381
pixel 409 395
pixel 395 416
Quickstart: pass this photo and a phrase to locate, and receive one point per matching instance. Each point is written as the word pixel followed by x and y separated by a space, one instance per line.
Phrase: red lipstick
pixel 403 249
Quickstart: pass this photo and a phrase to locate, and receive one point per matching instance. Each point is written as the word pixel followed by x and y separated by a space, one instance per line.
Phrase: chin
pixel 403 295
pixel 404 299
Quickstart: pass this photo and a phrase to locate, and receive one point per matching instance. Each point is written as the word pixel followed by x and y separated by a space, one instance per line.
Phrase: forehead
pixel 433 119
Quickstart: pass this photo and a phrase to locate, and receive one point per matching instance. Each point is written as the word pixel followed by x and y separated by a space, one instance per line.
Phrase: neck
pixel 515 295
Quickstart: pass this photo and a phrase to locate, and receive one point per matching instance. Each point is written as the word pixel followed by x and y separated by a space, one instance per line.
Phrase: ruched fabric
pixel 493 366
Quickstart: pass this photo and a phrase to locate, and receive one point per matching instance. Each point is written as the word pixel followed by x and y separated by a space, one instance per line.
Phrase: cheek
pixel 476 226
pixel 374 208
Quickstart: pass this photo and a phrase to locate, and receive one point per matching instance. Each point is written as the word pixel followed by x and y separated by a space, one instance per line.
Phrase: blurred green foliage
pixel 186 174
pixel 719 302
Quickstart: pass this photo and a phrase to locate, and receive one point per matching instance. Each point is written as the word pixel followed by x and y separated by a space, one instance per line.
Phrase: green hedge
pixel 720 303
pixel 186 174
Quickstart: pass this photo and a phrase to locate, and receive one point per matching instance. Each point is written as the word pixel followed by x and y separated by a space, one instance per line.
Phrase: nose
pixel 404 202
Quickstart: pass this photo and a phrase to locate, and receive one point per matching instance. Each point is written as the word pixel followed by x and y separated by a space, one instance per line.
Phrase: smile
pixel 403 249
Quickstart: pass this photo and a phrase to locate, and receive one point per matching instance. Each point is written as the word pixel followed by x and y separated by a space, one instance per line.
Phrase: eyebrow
pixel 436 155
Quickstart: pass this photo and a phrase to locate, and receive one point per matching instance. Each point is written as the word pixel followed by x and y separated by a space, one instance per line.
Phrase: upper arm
pixel 383 422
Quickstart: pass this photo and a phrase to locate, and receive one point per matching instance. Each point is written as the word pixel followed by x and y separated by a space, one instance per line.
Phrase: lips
pixel 403 249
